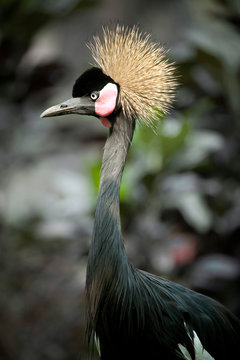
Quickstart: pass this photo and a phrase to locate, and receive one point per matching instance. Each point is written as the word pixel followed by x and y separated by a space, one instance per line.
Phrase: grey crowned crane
pixel 134 314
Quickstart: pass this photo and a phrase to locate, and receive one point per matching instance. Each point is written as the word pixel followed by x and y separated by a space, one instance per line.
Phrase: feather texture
pixel 134 314
pixel 140 68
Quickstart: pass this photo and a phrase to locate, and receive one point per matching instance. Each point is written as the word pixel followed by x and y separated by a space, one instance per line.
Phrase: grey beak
pixel 81 106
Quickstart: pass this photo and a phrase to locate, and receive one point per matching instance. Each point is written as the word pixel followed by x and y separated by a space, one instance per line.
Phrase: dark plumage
pixel 92 79
pixel 134 314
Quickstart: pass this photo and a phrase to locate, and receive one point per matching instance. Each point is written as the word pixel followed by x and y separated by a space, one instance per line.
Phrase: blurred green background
pixel 180 198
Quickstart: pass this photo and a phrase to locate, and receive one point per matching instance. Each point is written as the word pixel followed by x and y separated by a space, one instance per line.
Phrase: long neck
pixel 107 258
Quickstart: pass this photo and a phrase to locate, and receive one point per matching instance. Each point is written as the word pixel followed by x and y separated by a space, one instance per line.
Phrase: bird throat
pixel 107 123
pixel 107 259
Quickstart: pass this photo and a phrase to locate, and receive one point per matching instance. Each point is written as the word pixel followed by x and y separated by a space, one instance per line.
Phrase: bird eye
pixel 94 95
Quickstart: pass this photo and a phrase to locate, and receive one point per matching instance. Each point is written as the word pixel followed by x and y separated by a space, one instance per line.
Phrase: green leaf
pixel 95 172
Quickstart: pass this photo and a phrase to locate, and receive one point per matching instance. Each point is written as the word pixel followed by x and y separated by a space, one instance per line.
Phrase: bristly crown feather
pixel 139 66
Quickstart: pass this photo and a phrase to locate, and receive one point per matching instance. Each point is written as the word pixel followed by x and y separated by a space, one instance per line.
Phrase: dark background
pixel 180 200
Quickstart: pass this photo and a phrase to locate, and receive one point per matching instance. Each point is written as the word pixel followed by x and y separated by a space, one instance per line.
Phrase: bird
pixel 133 314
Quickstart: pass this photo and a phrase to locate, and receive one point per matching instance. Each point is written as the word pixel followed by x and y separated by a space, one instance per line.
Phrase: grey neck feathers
pixel 107 259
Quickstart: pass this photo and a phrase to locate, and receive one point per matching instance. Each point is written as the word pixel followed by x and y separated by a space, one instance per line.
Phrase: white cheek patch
pixel 106 102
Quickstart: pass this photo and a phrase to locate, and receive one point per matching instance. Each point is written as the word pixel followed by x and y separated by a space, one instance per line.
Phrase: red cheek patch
pixel 105 122
pixel 106 102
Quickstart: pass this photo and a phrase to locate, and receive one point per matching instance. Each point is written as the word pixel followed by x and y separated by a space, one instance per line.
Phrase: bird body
pixel 134 314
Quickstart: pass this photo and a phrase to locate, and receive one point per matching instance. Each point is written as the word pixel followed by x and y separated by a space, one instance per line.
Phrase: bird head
pixel 93 93
pixel 131 74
